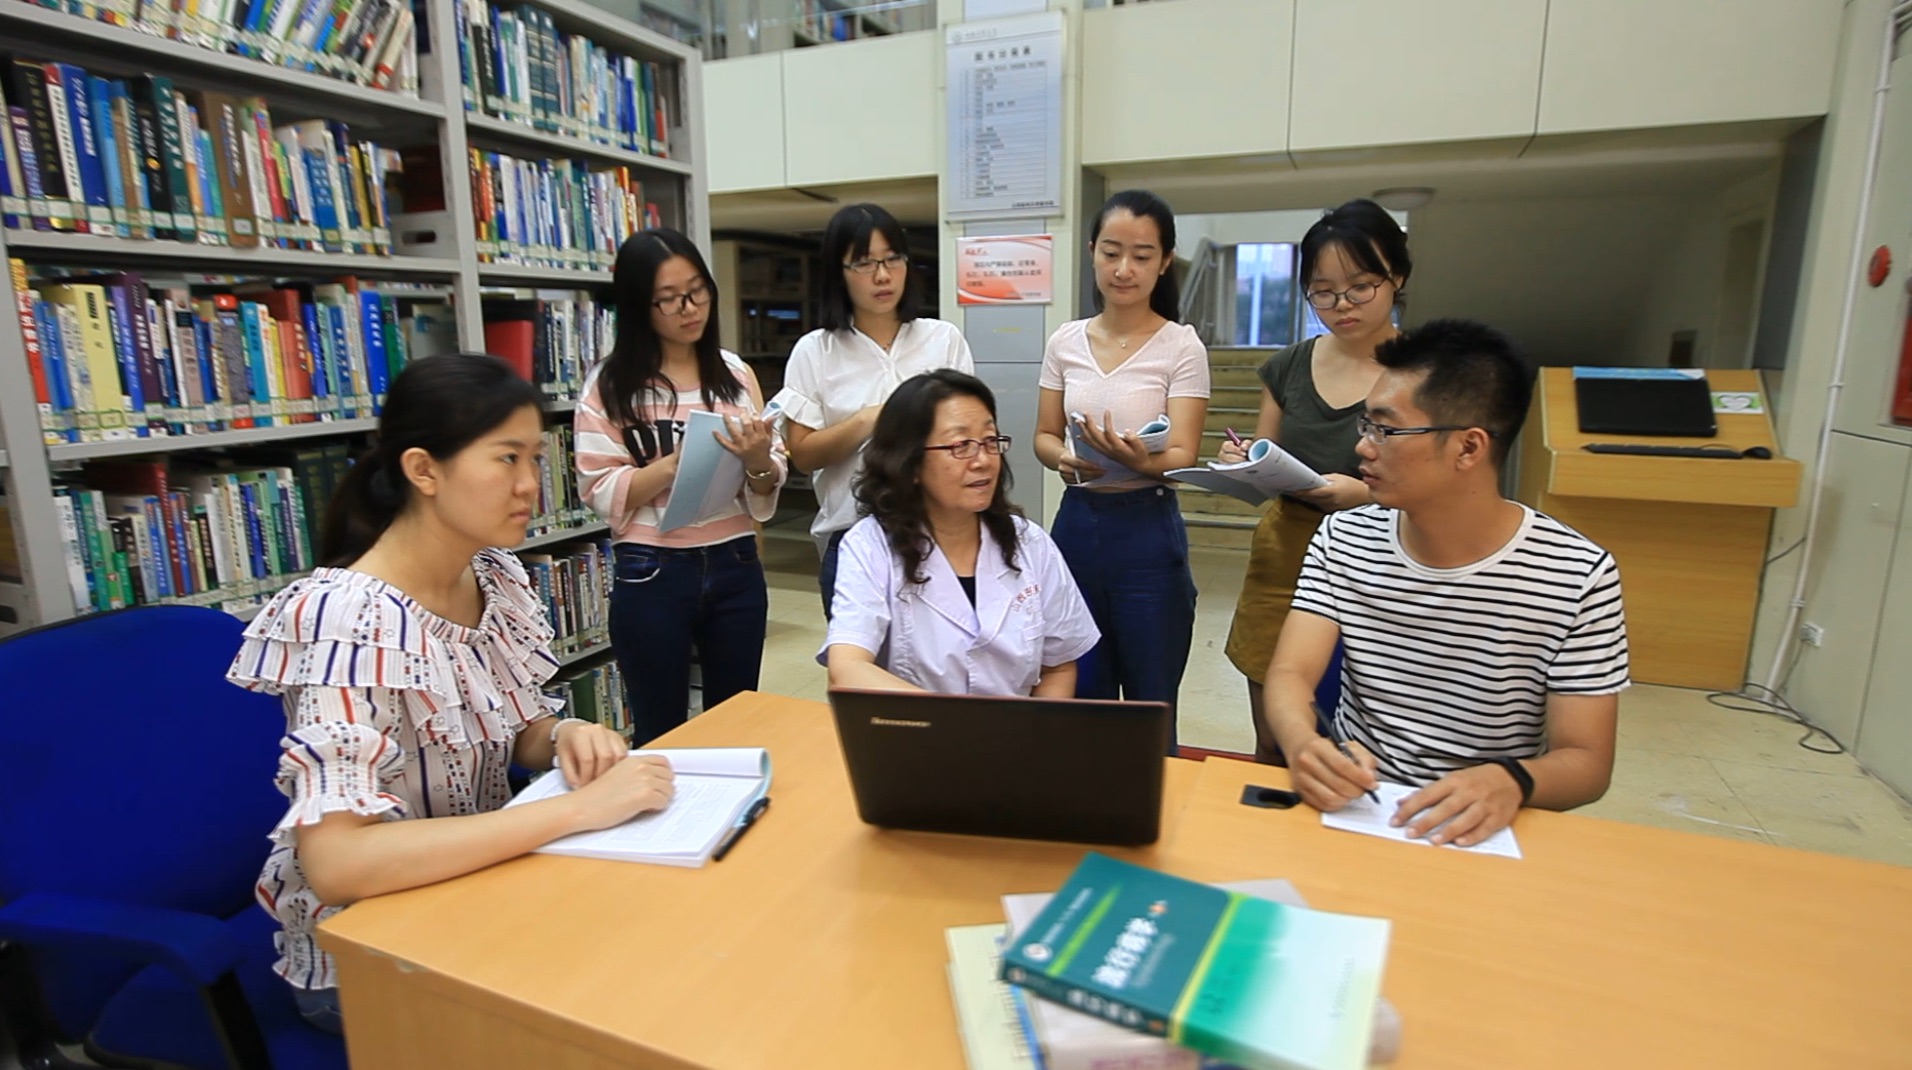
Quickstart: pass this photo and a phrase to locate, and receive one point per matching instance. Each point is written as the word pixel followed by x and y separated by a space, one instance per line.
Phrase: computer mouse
pixel 1757 453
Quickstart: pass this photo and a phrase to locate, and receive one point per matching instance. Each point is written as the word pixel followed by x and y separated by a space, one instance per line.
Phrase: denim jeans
pixel 664 603
pixel 826 572
pixel 320 1008
pixel 1128 552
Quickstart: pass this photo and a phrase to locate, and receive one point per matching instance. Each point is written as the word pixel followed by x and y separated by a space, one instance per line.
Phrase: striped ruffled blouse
pixel 391 711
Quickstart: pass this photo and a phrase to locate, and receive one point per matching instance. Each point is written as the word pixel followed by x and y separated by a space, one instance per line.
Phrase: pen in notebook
pixel 1233 438
pixel 750 818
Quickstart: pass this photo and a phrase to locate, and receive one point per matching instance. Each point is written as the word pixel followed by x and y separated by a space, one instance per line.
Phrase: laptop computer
pixel 1076 770
pixel 1626 406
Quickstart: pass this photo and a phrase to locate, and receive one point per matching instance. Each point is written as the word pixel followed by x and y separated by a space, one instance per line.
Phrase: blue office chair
pixel 136 794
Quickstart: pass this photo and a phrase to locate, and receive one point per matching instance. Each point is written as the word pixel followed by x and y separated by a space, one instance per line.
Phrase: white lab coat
pixel 928 634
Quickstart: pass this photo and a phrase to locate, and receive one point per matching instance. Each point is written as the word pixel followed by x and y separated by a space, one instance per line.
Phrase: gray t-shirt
pixel 1321 437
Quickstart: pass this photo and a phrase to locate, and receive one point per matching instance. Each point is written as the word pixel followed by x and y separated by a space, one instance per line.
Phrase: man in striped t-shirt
pixel 1485 645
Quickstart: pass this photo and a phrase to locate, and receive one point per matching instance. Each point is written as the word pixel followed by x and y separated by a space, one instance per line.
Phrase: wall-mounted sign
pixel 1016 269
pixel 1005 117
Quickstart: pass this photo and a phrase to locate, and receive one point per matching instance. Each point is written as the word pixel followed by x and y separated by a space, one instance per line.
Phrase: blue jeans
pixel 1128 552
pixel 320 1008
pixel 667 601
pixel 826 572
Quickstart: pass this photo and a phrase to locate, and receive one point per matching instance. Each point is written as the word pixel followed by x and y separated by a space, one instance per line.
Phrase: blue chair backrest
pixel 130 770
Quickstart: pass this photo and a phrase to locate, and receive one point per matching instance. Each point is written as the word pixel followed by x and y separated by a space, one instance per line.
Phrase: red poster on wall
pixel 1902 390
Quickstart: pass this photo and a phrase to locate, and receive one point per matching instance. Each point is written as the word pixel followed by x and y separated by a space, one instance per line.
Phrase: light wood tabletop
pixel 818 942
pixel 1607 945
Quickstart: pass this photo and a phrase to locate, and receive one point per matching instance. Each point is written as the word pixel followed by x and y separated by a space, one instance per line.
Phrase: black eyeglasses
pixel 1379 433
pixel 1358 294
pixel 997 445
pixel 696 297
pixel 867 265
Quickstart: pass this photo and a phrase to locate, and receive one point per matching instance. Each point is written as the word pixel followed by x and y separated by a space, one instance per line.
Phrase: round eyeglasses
pixel 696 297
pixel 867 265
pixel 997 445
pixel 1358 294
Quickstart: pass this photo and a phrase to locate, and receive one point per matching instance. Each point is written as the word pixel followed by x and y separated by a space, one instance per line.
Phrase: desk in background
pixel 819 943
pixel 1689 533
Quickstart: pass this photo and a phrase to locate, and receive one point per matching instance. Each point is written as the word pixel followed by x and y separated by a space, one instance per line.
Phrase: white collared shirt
pixel 833 375
pixel 1024 618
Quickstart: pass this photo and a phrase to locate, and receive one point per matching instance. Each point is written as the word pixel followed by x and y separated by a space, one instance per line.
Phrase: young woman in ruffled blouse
pixel 410 668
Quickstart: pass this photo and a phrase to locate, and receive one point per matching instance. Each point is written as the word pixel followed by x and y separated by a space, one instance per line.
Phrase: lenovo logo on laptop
pixel 891 722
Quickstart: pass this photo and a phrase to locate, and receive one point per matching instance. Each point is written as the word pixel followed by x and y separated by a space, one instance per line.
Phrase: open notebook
pixel 1269 472
pixel 715 787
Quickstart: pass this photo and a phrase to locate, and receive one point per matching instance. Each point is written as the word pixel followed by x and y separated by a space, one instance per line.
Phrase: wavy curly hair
pixel 890 487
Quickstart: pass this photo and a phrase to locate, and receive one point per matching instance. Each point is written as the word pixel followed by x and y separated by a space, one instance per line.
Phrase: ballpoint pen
pixel 750 818
pixel 1334 736
pixel 1233 438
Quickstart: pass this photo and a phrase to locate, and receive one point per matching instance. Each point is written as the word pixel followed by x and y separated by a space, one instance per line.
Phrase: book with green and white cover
pixel 1263 985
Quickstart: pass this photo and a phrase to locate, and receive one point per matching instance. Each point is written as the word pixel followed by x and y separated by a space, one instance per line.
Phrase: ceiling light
pixel 1403 198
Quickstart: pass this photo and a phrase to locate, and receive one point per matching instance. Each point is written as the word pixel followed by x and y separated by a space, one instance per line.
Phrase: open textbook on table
pixel 715 789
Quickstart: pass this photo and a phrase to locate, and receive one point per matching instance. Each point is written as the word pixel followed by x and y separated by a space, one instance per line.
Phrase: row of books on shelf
pixel 552 337
pixel 137 158
pixel 118 357
pixel 596 695
pixel 555 213
pixel 515 64
pixel 367 42
pixel 230 530
pixel 560 507
pixel 574 582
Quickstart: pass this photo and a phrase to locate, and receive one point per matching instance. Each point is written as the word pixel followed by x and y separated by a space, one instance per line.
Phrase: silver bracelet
pixel 561 722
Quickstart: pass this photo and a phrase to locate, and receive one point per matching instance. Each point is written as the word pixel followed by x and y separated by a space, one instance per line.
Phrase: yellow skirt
pixel 1274 566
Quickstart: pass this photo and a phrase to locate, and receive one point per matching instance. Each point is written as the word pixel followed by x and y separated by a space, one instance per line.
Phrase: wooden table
pixel 1608 945
pixel 819 942
pixel 1689 533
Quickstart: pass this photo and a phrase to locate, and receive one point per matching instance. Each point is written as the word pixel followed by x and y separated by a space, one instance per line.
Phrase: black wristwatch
pixel 1521 777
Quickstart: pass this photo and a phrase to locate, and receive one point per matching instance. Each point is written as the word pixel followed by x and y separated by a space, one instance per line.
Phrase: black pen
pixel 1334 736
pixel 750 818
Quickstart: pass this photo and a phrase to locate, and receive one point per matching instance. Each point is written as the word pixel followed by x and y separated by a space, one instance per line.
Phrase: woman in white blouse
pixel 1121 529
pixel 410 667
pixel 944 586
pixel 838 376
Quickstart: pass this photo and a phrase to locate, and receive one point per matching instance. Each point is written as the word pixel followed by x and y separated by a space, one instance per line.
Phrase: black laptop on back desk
pixel 1681 407
pixel 1074 770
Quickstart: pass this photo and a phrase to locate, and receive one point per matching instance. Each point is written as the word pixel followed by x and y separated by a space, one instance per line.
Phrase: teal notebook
pixel 1260 984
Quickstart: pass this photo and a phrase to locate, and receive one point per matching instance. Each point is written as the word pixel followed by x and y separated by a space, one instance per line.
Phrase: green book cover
pixel 1260 984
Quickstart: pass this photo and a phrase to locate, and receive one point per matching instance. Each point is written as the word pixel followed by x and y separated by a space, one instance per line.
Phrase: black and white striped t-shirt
pixel 1445 668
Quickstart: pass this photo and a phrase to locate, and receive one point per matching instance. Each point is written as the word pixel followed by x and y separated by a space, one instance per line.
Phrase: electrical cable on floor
pixel 1758 698
pixel 1786 551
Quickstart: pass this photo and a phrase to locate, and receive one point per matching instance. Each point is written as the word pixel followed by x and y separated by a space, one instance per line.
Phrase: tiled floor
pixel 1683 763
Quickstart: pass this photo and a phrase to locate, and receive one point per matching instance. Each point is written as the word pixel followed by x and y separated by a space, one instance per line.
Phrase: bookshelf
pixel 431 133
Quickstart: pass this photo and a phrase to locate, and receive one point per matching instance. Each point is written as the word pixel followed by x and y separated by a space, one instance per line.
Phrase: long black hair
pixel 636 363
pixel 890 487
pixel 1367 235
pixel 437 404
pixel 847 237
pixel 1166 299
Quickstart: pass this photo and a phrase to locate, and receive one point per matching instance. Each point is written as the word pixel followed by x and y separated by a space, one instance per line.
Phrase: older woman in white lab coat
pixel 943 586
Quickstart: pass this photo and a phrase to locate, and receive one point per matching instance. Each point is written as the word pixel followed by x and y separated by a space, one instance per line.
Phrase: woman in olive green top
pixel 1354 263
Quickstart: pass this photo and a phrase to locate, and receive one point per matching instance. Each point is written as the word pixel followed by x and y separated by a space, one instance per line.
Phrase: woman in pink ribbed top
pixel 1119 526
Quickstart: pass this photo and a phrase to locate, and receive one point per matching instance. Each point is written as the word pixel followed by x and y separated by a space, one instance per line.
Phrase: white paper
pixel 709 477
pixel 1153 435
pixel 1269 472
pixel 714 787
pixel 1371 819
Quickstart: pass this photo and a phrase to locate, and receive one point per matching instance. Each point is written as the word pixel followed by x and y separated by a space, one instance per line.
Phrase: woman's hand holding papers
pixel 1464 807
pixel 1328 779
pixel 1124 448
pixel 747 438
pixel 633 786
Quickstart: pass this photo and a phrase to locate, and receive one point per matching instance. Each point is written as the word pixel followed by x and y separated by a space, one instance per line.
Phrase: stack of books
pixel 1127 967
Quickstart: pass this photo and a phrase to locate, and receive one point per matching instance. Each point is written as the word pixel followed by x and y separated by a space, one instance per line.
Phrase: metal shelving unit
pixel 584 655
pixel 583 531
pixel 437 116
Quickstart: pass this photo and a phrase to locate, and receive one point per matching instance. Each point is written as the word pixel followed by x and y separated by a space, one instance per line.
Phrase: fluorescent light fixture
pixel 1403 198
